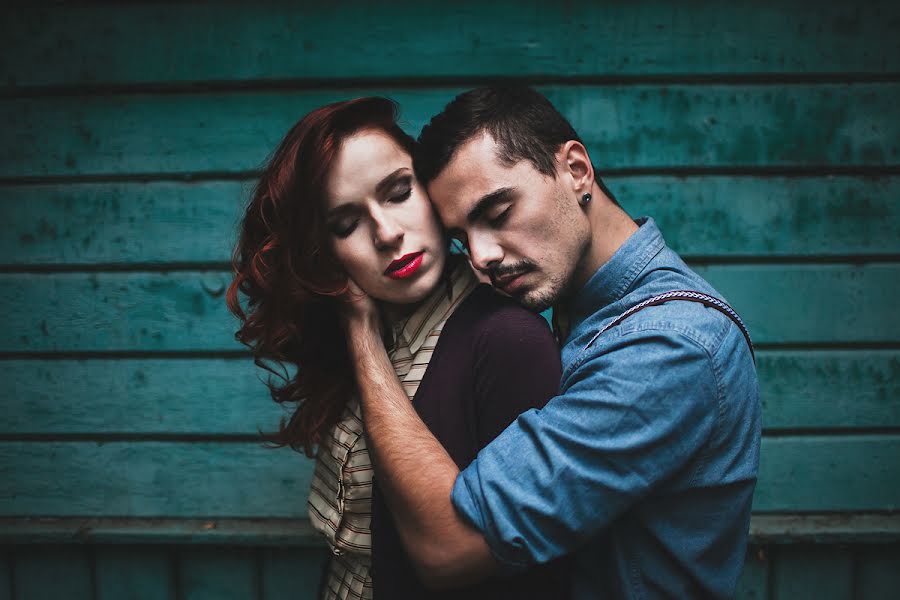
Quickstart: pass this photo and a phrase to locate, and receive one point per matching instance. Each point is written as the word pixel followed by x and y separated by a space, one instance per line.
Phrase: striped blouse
pixel 340 499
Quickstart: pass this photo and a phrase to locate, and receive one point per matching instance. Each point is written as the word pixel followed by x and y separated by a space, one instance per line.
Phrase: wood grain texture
pixel 136 396
pixel 6 575
pixel 96 44
pixel 829 389
pixel 121 223
pixel 218 574
pixel 829 473
pixel 839 390
pixel 135 573
pixel 291 574
pixel 811 572
pixel 217 479
pixel 754 582
pixel 877 574
pixel 624 126
pixel 726 216
pixel 145 479
pixel 185 310
pixel 51 573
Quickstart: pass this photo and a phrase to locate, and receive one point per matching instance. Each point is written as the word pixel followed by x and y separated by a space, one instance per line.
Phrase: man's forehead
pixel 473 171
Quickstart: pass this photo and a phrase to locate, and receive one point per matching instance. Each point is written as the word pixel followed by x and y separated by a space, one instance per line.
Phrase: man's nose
pixel 484 252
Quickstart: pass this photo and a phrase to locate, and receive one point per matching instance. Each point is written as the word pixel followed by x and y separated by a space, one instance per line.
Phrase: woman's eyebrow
pixel 380 188
pixel 389 180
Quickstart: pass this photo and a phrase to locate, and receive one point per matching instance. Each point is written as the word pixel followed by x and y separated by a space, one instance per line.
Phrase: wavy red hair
pixel 287 278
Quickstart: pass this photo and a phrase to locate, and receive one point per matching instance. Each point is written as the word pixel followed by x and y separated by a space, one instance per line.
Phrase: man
pixel 644 464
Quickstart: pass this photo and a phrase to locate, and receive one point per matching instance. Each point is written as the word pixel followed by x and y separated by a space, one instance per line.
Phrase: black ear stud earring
pixel 585 199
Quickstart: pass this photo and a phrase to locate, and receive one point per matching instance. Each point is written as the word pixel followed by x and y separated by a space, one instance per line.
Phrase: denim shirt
pixel 644 464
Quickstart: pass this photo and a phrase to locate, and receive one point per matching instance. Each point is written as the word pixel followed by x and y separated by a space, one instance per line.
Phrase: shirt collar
pixel 436 308
pixel 615 277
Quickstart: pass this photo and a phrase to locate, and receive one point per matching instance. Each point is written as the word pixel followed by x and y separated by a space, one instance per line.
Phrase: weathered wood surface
pixel 140 43
pixel 829 473
pixel 167 479
pixel 862 572
pixel 135 573
pixel 243 479
pixel 162 223
pixel 825 389
pixel 51 573
pixel 185 310
pixel 811 572
pixel 624 127
pixel 765 529
pixel 136 396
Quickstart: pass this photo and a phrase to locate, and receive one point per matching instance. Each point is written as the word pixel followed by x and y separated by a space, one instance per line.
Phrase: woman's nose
pixel 388 233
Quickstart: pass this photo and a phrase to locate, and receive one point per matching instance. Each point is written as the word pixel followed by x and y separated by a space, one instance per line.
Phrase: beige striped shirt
pixel 340 499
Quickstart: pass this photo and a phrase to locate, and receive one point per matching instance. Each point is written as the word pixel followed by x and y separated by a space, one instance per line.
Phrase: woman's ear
pixel 576 166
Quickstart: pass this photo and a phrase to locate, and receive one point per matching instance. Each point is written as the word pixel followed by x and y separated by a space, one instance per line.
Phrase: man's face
pixel 523 229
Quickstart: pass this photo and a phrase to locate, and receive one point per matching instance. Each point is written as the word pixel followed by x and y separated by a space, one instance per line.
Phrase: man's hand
pixel 358 312
pixel 414 471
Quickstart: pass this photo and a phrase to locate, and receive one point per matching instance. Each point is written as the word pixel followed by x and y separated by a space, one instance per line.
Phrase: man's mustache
pixel 501 271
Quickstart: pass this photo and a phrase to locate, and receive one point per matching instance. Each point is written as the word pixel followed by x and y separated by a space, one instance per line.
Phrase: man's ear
pixel 575 164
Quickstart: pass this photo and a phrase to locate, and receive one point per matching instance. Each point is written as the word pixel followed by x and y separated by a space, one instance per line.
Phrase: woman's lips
pixel 405 266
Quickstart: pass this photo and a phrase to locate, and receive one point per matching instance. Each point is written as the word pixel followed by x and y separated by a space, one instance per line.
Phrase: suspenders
pixel 690 296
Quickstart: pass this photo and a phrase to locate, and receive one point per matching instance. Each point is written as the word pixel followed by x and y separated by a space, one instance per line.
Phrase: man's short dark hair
pixel 522 122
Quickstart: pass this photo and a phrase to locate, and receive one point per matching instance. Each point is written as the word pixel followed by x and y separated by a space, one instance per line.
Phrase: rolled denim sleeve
pixel 633 411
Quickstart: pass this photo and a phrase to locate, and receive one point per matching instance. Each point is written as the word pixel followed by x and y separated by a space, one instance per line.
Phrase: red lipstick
pixel 405 266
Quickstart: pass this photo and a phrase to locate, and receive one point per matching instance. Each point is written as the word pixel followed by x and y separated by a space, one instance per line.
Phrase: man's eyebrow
pixel 389 180
pixel 487 201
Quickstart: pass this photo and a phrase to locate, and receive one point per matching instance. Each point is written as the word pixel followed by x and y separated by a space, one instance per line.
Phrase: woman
pixel 339 202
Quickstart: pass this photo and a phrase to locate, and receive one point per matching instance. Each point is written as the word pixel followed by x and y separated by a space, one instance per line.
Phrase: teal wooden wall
pixel 764 137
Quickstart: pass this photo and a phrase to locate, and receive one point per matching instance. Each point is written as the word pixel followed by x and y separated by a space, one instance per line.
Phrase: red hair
pixel 289 278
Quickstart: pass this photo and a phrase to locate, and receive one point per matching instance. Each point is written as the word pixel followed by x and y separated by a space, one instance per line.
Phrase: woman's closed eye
pixel 401 191
pixel 344 227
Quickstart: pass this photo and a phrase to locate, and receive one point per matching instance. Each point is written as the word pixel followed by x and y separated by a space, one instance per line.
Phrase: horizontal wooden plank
pixel 215 479
pixel 291 574
pixel 754 581
pixel 624 126
pixel 777 529
pixel 158 222
pixel 768 216
pixel 839 390
pixel 142 396
pixel 848 528
pixel 185 310
pixel 119 311
pixel 829 389
pixel 174 222
pixel 811 304
pixel 52 573
pixel 821 473
pixel 195 42
pixel 294 531
pixel 877 573
pixel 825 573
pixel 134 573
pixel 217 574
pixel 200 479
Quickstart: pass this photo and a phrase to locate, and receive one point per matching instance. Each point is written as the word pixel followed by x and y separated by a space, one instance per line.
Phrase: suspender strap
pixel 690 296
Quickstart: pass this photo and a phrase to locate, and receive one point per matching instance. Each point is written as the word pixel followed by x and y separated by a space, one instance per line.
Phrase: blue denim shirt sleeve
pixel 637 408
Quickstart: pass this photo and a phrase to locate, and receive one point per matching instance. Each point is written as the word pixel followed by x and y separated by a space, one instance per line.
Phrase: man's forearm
pixel 414 471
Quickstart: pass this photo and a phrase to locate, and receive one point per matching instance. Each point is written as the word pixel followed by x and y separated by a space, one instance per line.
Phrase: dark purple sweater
pixel 493 361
